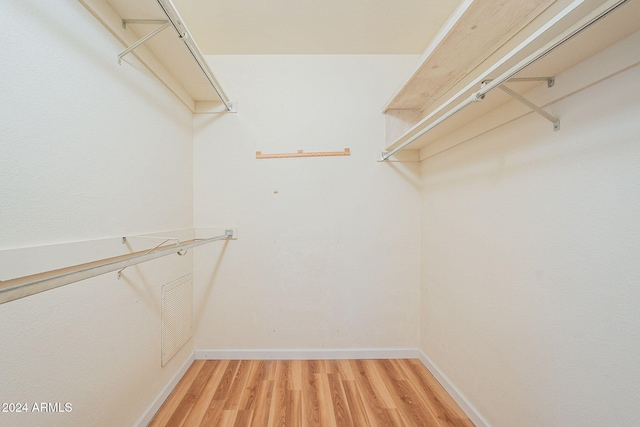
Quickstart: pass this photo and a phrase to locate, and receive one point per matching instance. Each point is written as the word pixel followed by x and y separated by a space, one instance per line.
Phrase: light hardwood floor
pixel 309 393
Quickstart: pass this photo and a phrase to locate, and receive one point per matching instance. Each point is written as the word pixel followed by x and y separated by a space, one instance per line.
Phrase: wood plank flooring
pixel 309 393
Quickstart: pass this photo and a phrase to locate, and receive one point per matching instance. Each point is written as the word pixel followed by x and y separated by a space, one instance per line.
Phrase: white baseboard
pixel 318 354
pixel 148 415
pixel 453 391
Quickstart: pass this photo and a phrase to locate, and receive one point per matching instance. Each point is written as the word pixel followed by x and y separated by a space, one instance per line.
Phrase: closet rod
pixel 565 36
pixel 174 17
pixel 30 285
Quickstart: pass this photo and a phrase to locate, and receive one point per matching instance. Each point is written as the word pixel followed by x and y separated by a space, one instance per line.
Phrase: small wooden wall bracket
pixel 301 153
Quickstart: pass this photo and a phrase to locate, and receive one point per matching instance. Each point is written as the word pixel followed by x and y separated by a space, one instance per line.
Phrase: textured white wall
pixel 330 260
pixel 530 248
pixel 89 147
pixel 90 150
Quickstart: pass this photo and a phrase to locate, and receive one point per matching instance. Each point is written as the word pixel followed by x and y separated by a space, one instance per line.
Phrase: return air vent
pixel 177 309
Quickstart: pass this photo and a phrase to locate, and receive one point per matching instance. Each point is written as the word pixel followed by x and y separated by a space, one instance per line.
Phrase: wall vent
pixel 177 309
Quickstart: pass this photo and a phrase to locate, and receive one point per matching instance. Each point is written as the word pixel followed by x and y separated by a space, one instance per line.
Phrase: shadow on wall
pixel 210 119
pixel 532 146
pixel 141 285
pixel 210 284
pixel 410 174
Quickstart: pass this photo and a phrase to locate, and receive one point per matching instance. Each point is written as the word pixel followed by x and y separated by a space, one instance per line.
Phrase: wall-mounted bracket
pixel 534 107
pixel 300 153
pixel 550 82
pixel 164 25
pixel 181 252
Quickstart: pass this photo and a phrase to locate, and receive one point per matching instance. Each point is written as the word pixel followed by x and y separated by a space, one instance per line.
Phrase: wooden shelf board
pixel 164 55
pixel 476 33
pixel 621 23
pixel 300 153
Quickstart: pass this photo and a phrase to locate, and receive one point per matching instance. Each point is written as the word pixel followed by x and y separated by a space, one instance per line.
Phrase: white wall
pixel 530 297
pixel 90 151
pixel 89 147
pixel 521 286
pixel 327 255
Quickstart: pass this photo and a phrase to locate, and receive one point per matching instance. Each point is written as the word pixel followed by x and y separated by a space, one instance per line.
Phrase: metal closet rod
pixel 565 36
pixel 175 19
pixel 30 285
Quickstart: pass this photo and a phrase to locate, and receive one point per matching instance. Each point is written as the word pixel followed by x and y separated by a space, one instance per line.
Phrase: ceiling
pixel 224 27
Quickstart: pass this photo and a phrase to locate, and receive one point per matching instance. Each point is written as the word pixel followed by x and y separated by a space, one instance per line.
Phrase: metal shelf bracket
pixel 164 25
pixel 534 107
pixel 550 82
pixel 181 252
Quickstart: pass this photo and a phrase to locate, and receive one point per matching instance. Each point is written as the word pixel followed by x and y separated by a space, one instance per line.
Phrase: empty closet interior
pixel 182 188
